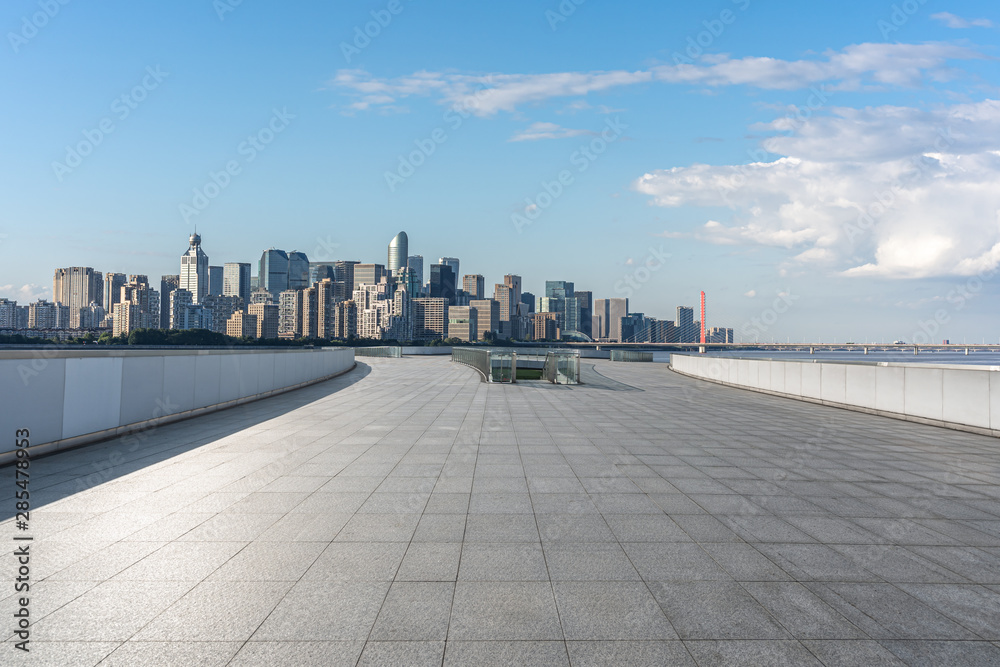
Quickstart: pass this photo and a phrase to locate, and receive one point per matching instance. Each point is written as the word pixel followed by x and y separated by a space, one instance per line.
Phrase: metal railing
pixel 631 355
pixel 385 351
pixel 494 365
pixel 562 368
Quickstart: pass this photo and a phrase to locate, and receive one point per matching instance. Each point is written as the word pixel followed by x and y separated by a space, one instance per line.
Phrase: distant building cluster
pixel 291 297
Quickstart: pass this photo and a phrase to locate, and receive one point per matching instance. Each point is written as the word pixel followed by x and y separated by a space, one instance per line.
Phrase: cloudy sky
pixel 837 162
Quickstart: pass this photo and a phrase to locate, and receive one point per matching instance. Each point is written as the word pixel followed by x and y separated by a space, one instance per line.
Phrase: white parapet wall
pixel 72 397
pixel 955 396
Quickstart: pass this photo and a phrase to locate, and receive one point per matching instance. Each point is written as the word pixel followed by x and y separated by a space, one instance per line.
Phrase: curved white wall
pixel 963 397
pixel 68 398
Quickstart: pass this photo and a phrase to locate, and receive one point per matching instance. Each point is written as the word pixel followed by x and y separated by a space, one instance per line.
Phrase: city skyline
pixel 758 146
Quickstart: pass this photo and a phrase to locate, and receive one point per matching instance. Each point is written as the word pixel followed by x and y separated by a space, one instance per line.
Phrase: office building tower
pixel 607 319
pixel 368 274
pixel 254 282
pixel 585 302
pixel 310 313
pixel 325 304
pixel 236 280
pixel 8 314
pixel 430 318
pixel 453 263
pixel 321 271
pixel 179 300
pixel 720 335
pixel 407 280
pixel 22 317
pixel 528 299
pixel 488 314
pixel 442 282
pixel 92 317
pixel 298 270
pixel 76 288
pixel 685 323
pixel 273 272
pixel 168 284
pixel 633 328
pixel 222 308
pixel 416 263
pixel 267 319
pixel 194 269
pixel 290 314
pixel 345 275
pixel 475 286
pixel 113 289
pixel 399 249
pixel 261 295
pixel 241 325
pixel 215 280
pixel 462 323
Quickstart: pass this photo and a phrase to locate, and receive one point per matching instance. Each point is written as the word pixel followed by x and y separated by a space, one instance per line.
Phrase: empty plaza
pixel 407 513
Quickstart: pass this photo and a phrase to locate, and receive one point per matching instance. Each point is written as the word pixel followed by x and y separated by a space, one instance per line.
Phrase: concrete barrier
pixel 68 398
pixel 963 397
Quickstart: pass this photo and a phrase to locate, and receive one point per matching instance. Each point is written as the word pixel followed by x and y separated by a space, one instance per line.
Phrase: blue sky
pixel 746 140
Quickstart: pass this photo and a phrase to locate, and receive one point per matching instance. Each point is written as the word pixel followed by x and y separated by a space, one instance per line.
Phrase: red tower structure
pixel 703 341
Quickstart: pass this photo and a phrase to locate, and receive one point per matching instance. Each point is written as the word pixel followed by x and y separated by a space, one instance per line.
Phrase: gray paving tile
pixel 501 528
pixel 430 561
pixel 498 561
pixel 751 653
pixel 974 607
pixel 673 561
pixel 745 563
pixel 632 653
pixel 415 611
pixel 801 612
pixel 951 653
pixel 610 610
pixel 836 653
pixel 154 654
pixel 323 611
pixel 644 528
pixel 299 653
pixel 503 653
pixel 357 561
pixel 588 561
pixel 715 610
pixel 500 610
pixel 394 653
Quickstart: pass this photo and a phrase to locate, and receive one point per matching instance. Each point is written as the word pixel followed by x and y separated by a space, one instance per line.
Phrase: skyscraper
pixel 453 263
pixel 321 271
pixel 298 270
pixel 168 284
pixel 475 285
pixel 368 274
pixel 607 320
pixel 194 269
pixel 77 287
pixel 399 248
pixel 273 272
pixel 215 280
pixel 236 280
pixel 416 262
pixel 113 289
pixel 442 282
pixel 685 323
pixel 585 301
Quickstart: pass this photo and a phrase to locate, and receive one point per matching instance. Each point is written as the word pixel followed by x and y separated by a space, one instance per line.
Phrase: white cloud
pixel 538 131
pixel 25 294
pixel 856 66
pixel 886 191
pixel 751 294
pixel 958 22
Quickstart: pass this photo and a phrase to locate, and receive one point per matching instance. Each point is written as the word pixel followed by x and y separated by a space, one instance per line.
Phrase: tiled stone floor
pixel 408 514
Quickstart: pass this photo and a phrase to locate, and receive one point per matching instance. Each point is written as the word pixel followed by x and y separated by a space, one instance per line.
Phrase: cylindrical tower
pixel 398 251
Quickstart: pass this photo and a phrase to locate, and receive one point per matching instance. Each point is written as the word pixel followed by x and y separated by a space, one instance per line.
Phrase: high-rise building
pixel 236 280
pixel 168 284
pixel 179 300
pixel 92 317
pixel 273 272
pixel 345 275
pixel 290 314
pixel 42 314
pixel 215 280
pixel 321 271
pixel 607 319
pixel 368 274
pixel 685 323
pixel 528 299
pixel 77 287
pixel 585 302
pixel 22 317
pixel 399 249
pixel 453 263
pixel 546 326
pixel 345 322
pixel 475 285
pixel 261 295
pixel 298 270
pixel 222 308
pixel 462 323
pixel 8 314
pixel 430 318
pixel 442 282
pixel 325 305
pixel 416 263
pixel 488 314
pixel 113 289
pixel 267 319
pixel 194 269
